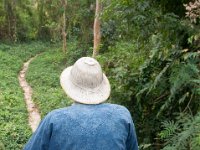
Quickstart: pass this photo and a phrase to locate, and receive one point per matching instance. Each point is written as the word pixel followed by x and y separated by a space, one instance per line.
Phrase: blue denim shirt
pixel 85 127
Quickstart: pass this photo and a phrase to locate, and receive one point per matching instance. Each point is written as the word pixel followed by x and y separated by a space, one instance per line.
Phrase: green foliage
pixel 170 128
pixel 2 147
pixel 14 129
pixel 79 18
pixel 119 62
pixel 149 51
pixel 18 22
pixel 182 134
pixel 25 20
pixel 167 83
pixel 175 6
pixel 45 79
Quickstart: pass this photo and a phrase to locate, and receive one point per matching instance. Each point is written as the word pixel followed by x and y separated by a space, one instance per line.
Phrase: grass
pixel 14 129
pixel 43 76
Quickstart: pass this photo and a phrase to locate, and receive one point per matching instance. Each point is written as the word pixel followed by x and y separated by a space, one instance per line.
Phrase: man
pixel 89 124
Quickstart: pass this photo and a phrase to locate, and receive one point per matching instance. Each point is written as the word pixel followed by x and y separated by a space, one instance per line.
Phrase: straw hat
pixel 85 82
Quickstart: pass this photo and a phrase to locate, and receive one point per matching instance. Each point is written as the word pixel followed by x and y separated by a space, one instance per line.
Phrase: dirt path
pixel 34 115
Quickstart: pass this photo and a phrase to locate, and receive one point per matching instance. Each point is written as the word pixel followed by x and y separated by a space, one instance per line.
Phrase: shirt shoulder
pixel 70 112
pixel 119 108
pixel 56 113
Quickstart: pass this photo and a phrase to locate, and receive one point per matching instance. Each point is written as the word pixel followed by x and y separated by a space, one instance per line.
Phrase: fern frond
pixel 180 77
pixel 196 81
pixel 191 55
pixel 170 128
pixel 146 87
pixel 182 99
pixel 188 137
pixel 158 78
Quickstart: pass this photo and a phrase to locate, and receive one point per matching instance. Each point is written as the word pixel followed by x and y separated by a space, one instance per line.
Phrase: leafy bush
pixel 182 134
pixel 165 82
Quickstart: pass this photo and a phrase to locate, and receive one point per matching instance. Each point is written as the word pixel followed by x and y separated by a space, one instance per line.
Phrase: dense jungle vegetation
pixel 150 51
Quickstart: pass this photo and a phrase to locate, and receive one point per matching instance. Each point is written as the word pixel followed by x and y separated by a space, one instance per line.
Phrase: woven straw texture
pixel 85 82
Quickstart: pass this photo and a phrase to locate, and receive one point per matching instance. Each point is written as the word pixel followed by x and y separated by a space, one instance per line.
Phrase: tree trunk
pixel 97 32
pixel 9 14
pixel 10 7
pixel 41 16
pixel 14 21
pixel 64 27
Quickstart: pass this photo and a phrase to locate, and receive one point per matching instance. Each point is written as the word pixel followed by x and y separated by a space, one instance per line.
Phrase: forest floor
pixel 33 112
pixel 39 77
pixel 14 128
pixel 43 76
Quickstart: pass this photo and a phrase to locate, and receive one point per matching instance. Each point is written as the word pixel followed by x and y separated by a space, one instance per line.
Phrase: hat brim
pixel 84 95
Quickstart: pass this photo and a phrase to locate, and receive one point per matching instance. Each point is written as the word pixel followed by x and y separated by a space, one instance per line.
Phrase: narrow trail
pixel 34 115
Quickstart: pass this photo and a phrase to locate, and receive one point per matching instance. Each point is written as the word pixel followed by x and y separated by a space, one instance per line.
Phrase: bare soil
pixel 33 112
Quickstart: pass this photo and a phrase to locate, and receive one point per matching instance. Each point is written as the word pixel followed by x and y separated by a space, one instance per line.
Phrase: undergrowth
pixel 44 77
pixel 14 129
